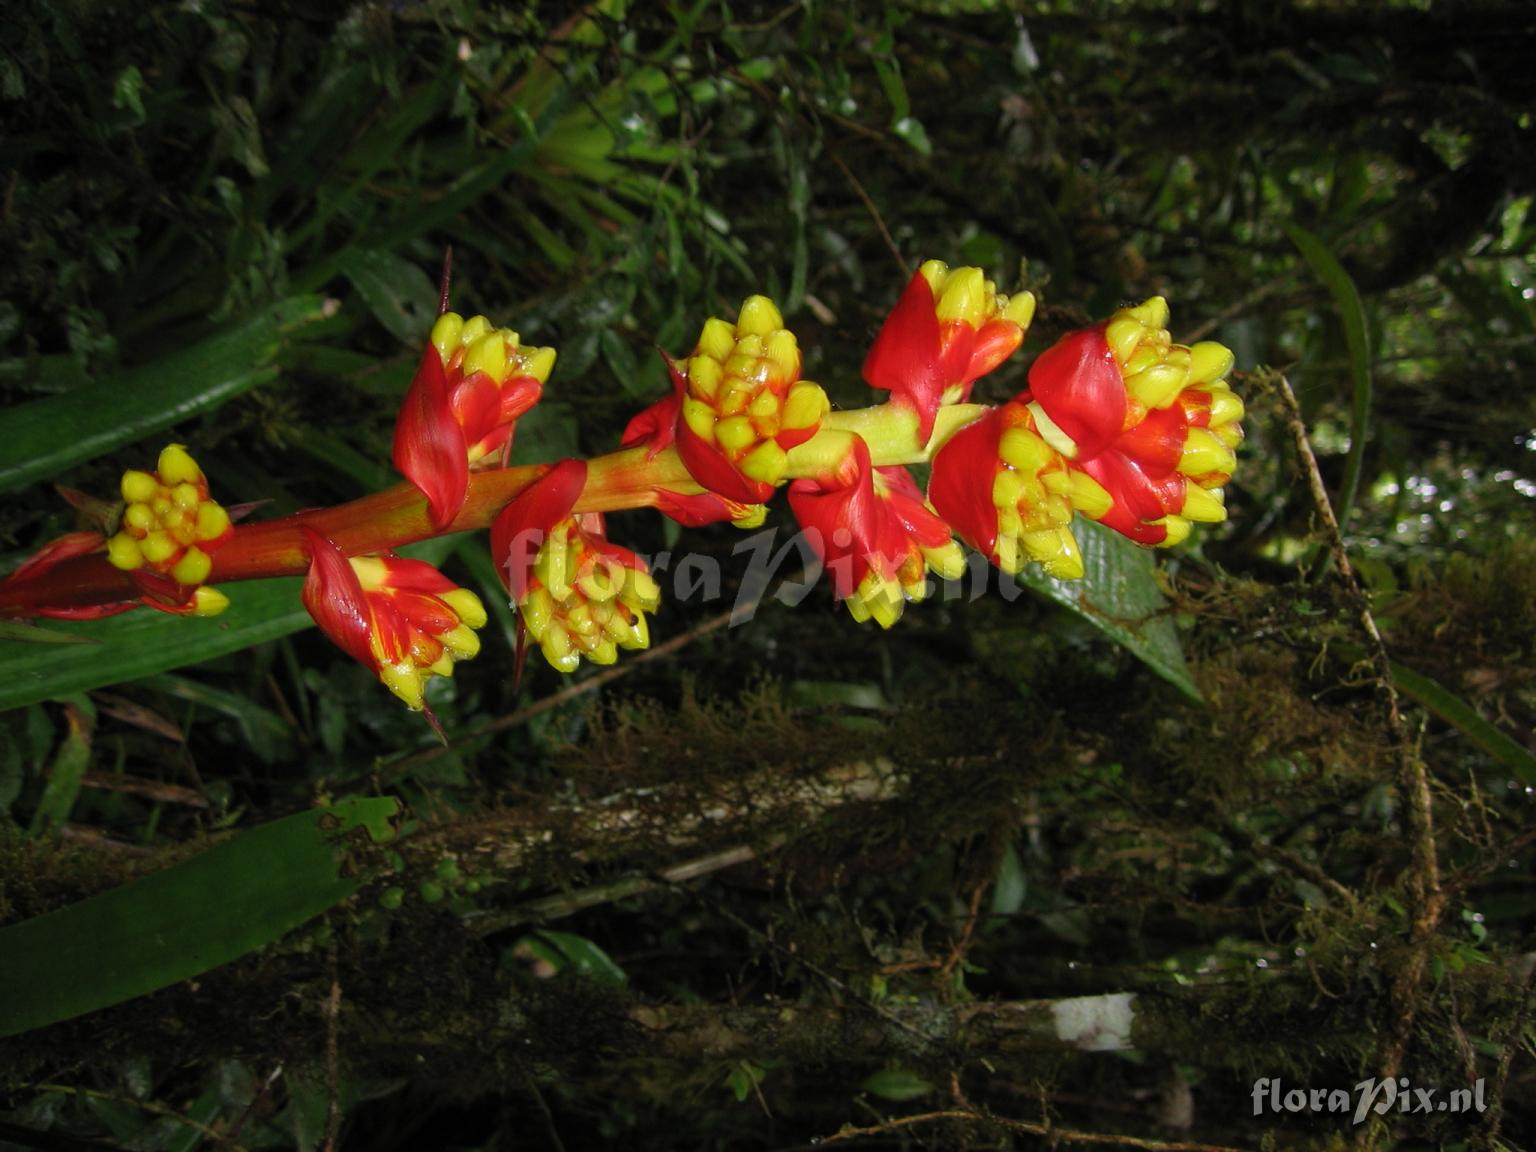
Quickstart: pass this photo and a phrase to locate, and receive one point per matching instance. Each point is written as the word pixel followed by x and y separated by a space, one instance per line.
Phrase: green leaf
pixel 68 770
pixel 143 642
pixel 1120 596
pixel 47 436
pixel 1456 712
pixel 587 958
pixel 896 1084
pixel 185 920
pixel 1346 299
pixel 910 129
pixel 400 295
pixel 32 634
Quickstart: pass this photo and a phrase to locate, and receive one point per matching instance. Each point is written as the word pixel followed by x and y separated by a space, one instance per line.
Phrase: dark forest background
pixel 802 882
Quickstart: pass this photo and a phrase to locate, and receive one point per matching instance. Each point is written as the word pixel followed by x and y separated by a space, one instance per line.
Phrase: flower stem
pixel 387 520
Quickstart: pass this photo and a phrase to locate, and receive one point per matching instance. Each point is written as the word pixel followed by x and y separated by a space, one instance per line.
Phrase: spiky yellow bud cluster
pixel 1035 493
pixel 586 597
pixel 1159 373
pixel 744 392
pixel 421 625
pixel 478 346
pixel 492 379
pixel 171 526
pixel 966 296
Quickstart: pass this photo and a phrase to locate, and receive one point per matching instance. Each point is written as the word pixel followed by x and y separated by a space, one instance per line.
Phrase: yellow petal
pixel 473 330
pixel 123 552
pixel 405 681
pixel 782 351
pixel 212 521
pixel 1156 386
pixel 699 417
pixel 735 434
pixel 1056 551
pixel 1152 313
pixel 465 605
pixel 1205 455
pixel 193 567
pixel 139 487
pixel 208 602
pixel 445 335
pixel 1209 361
pixel 1088 496
pixel 765 463
pixel 964 296
pixel 704 375
pixel 177 467
pixel 1178 531
pixel 759 317
pixel 488 355
pixel 1020 308
pixel 1204 505
pixel 718 340
pixel 539 363
pixel 158 547
pixel 805 405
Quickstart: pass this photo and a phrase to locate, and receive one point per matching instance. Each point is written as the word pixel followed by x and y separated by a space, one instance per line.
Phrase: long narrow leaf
pixel 1346 298
pixel 1119 596
pixel 47 436
pixel 143 642
pixel 1432 695
pixel 181 922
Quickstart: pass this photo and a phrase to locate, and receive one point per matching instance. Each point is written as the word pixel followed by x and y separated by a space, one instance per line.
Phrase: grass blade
pixel 47 436
pixel 181 922
pixel 1346 298
pixel 1434 697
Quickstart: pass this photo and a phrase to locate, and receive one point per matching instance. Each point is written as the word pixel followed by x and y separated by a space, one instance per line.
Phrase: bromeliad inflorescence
pixel 1118 423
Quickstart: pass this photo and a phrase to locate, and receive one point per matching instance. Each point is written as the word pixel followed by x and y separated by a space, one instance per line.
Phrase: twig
pixel 332 1060
pixel 390 772
pixel 150 1106
pixel 874 212
pixel 570 903
pixel 1413 777
pixel 155 790
pixel 548 1116
pixel 259 1095
pixel 1060 1135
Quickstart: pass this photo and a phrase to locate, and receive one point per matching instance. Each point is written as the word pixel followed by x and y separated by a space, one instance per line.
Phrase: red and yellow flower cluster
pixel 1117 423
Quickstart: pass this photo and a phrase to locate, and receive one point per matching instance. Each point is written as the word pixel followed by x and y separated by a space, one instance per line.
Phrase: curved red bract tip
pixel 1078 383
pixel 960 486
pixel 853 528
pixel 520 527
pixel 430 449
pixel 333 595
pixel 905 359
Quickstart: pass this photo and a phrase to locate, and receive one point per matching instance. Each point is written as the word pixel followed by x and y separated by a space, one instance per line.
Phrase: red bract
pixel 949 329
pixel 402 619
pixel 1011 495
pixel 522 526
pixel 738 407
pixel 960 484
pixel 473 384
pixel 577 593
pixel 1078 384
pixel 1152 422
pixel 874 534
